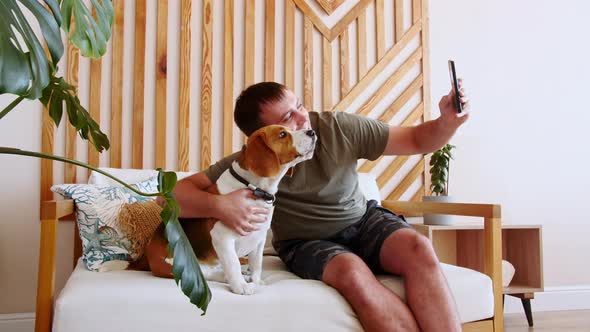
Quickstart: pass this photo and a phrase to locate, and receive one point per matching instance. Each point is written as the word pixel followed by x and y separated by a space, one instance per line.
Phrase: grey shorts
pixel 307 259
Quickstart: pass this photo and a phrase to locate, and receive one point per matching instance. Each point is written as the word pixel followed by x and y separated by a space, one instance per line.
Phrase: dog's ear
pixel 259 158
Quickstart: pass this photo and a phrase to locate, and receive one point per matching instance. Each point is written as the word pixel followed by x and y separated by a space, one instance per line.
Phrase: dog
pixel 270 153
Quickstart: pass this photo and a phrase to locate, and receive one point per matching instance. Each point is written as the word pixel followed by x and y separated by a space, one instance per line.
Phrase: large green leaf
pixel 89 34
pixel 58 92
pixel 24 67
pixel 185 268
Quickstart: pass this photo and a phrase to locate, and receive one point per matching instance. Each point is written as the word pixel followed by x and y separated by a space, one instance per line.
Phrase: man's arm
pixel 236 210
pixel 430 135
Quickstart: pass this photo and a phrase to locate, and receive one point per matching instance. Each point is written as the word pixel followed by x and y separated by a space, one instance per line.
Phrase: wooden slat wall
pixel 71 136
pixel 269 40
pixel 308 64
pixel 184 86
pixel 206 81
pixel 117 85
pixel 409 80
pixel 228 75
pixel 344 64
pixel 160 141
pixel 289 40
pixel 138 84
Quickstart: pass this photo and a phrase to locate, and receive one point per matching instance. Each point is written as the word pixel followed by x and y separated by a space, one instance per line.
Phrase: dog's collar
pixel 268 197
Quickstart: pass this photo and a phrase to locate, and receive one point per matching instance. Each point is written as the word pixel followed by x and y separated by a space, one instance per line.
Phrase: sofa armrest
pixel 459 209
pixel 492 236
pixel 51 211
pixel 56 209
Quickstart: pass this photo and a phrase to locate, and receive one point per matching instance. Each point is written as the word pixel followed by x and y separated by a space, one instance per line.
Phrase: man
pixel 323 227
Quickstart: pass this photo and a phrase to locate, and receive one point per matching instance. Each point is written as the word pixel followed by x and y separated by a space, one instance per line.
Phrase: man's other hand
pixel 240 213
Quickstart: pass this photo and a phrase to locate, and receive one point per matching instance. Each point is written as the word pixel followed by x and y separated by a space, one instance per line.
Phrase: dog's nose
pixel 310 133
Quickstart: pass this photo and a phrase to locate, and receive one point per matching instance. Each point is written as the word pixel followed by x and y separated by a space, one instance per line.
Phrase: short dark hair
pixel 249 104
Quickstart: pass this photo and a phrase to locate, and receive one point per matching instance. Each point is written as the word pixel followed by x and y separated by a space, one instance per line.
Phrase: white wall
pixel 524 65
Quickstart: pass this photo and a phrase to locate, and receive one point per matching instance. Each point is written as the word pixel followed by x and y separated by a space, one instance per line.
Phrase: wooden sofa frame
pixel 53 211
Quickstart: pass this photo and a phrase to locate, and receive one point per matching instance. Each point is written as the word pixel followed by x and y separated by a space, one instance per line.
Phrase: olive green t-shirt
pixel 323 196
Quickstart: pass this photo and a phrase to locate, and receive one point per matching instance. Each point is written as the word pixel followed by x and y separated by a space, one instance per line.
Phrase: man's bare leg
pixel 411 255
pixel 378 308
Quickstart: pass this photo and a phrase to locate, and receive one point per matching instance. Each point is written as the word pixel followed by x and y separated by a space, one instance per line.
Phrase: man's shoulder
pixel 332 119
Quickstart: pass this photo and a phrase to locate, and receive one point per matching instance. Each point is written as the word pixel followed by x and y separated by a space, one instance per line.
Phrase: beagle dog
pixel 269 154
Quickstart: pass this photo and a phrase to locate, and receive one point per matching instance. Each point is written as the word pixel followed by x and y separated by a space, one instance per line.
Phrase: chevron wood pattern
pixel 370 63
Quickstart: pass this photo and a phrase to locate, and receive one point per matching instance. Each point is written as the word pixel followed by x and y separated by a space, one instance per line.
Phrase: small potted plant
pixel 439 184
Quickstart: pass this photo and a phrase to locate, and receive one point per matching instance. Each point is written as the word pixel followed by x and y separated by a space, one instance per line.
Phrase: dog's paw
pixel 247 277
pixel 258 281
pixel 243 288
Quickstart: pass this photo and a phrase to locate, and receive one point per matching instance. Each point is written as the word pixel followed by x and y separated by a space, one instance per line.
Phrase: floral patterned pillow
pixel 97 211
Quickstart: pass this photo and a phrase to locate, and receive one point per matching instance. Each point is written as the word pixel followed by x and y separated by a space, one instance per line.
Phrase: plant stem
pixel 5 150
pixel 11 106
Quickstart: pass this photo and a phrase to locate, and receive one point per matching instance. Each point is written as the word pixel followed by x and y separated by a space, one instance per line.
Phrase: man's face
pixel 288 112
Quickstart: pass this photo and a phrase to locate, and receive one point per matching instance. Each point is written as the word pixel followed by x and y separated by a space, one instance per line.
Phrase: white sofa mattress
pixel 137 301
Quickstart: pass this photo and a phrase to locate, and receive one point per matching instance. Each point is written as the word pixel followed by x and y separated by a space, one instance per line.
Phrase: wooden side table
pixel 462 245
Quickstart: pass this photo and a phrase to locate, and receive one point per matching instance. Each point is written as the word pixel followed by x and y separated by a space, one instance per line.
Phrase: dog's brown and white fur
pixel 269 154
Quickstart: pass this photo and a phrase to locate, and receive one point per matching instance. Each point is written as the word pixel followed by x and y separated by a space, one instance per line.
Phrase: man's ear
pixel 260 159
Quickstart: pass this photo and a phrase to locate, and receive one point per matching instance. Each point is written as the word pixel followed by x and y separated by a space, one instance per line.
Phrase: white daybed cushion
pixel 138 301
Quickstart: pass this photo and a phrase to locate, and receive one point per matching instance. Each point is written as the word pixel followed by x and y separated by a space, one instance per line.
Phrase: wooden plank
pixel 327 73
pixel 414 115
pixel 46 275
pixel 342 24
pixel 55 209
pixel 269 41
pixel 402 99
pixel 350 16
pixel 416 10
pixel 457 209
pixel 403 186
pixel 425 21
pixel 249 42
pixel 399 19
pixel 361 41
pixel 206 81
pixel 47 141
pixel 161 77
pixel 138 84
pixel 394 79
pixel 479 326
pixel 418 195
pixel 117 85
pixel 493 264
pixel 380 27
pixel 94 105
pixel 329 6
pixel 368 165
pixel 390 171
pixel 184 98
pixel 71 134
pixel 368 79
pixel 228 77
pixel 309 14
pixel 308 64
pixel 289 40
pixel 344 63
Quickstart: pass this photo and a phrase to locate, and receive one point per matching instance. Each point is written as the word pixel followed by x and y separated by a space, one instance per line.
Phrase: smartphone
pixel 455 86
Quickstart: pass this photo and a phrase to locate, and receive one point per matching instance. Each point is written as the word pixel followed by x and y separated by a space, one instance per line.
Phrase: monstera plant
pixel 28 71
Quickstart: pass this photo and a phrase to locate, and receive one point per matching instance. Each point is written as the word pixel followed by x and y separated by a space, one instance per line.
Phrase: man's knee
pixel 346 271
pixel 423 251
pixel 407 250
